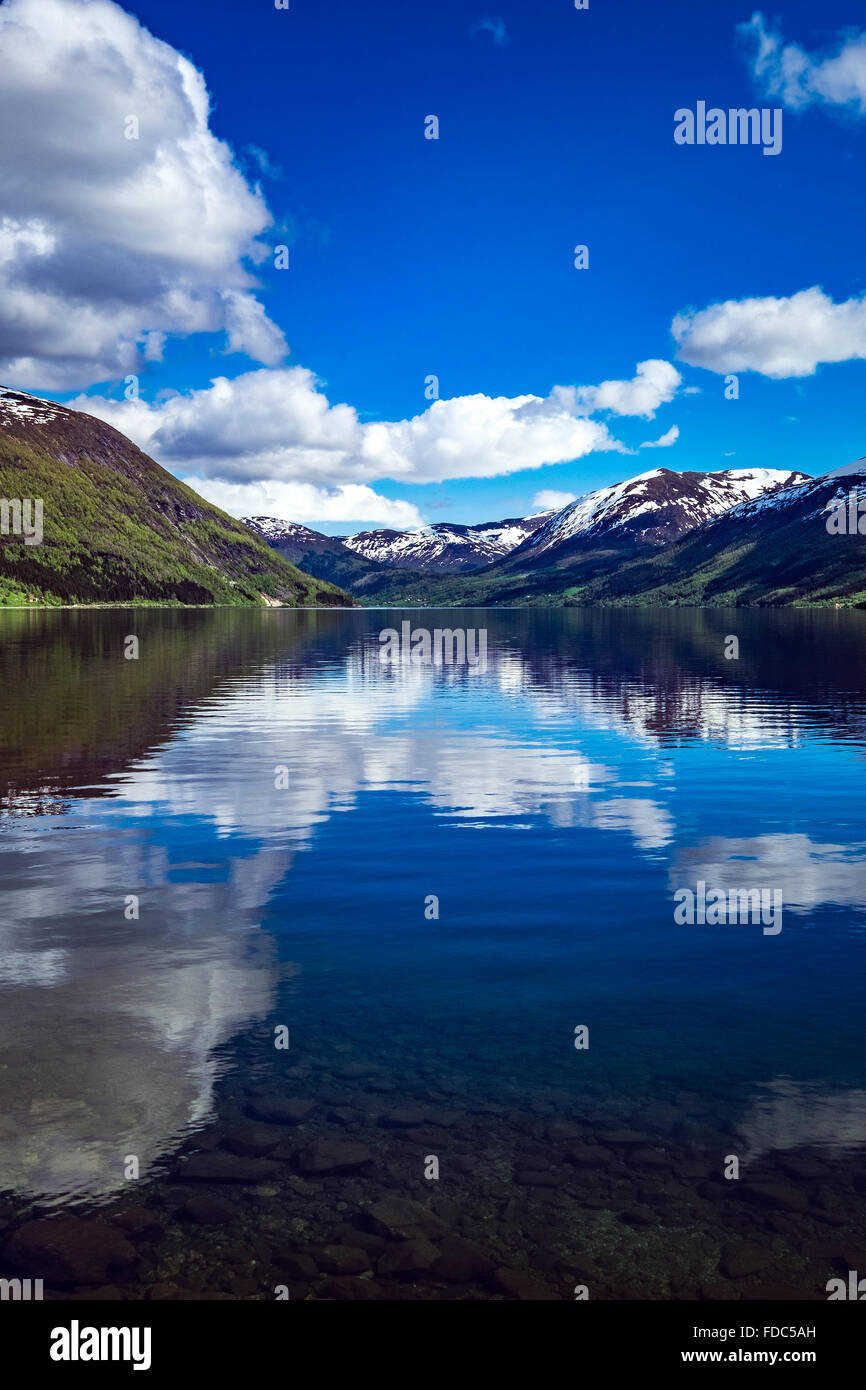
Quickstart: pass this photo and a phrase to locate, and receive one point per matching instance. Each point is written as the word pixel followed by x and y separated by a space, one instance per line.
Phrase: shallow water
pixel 244 829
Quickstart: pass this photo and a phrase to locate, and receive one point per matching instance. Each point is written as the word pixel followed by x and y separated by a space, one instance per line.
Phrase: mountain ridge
pixel 119 528
pixel 447 547
pixel 589 537
pixel 774 550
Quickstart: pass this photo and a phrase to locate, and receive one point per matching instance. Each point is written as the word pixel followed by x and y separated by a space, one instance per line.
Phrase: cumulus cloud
pixel 266 442
pixel 307 503
pixel 779 338
pixel 550 501
pixel 654 384
pixel 109 244
pixel 262 424
pixel 799 78
pixel 276 427
pixel 664 441
pixel 483 437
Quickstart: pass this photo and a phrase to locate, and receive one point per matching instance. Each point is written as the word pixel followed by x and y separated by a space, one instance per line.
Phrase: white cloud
pixel 483 437
pixel 267 442
pixel 262 424
pixel 664 441
pixel 110 244
pixel 306 503
pixel 799 78
pixel 550 501
pixel 776 337
pixel 276 427
pixel 654 384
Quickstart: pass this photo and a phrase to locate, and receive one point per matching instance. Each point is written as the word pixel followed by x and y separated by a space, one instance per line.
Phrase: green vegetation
pixel 773 557
pixel 75 711
pixel 773 560
pixel 120 529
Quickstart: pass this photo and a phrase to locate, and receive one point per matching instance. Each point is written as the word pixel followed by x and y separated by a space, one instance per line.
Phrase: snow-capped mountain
pixel 270 528
pixel 446 548
pixel 806 498
pixel 290 535
pixel 326 557
pixel 526 556
pixel 21 406
pixel 655 507
pixel 799 544
pixel 358 560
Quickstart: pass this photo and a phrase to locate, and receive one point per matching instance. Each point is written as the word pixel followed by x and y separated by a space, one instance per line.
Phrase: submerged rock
pixel 342 1259
pixel 222 1167
pixel 332 1156
pixel 462 1262
pixel 70 1250
pixel 209 1211
pixel 402 1218
pixel 407 1259
pixel 277 1111
pixel 744 1257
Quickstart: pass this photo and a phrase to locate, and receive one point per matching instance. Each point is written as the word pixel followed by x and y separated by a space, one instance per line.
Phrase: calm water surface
pixel 168 902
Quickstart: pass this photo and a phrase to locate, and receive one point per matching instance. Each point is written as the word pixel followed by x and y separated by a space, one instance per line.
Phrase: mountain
pixel 652 509
pixel 446 548
pixel 118 528
pixel 772 550
pixel 327 557
pixel 377 564
pixel 597 535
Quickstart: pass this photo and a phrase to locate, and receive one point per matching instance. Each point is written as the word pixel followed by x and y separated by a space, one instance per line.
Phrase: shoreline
pixel 828 606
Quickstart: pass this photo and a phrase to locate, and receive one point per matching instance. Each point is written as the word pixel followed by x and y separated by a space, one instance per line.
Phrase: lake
pixel 355 978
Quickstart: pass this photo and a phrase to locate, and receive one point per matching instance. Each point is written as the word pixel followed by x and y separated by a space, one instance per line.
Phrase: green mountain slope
pixel 599 535
pixel 323 556
pixel 773 551
pixel 118 528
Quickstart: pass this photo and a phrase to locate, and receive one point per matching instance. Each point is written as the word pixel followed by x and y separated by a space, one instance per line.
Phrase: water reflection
pixel 623 746
pixel 785 1115
pixel 812 874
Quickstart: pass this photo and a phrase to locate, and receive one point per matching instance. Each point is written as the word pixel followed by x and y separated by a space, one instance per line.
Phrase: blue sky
pixel 454 257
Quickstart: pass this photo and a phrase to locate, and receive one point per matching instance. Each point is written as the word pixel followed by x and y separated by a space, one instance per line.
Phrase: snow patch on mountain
pixel 446 547
pixel 272 529
pixel 808 488
pixel 20 405
pixel 858 466
pixel 681 500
